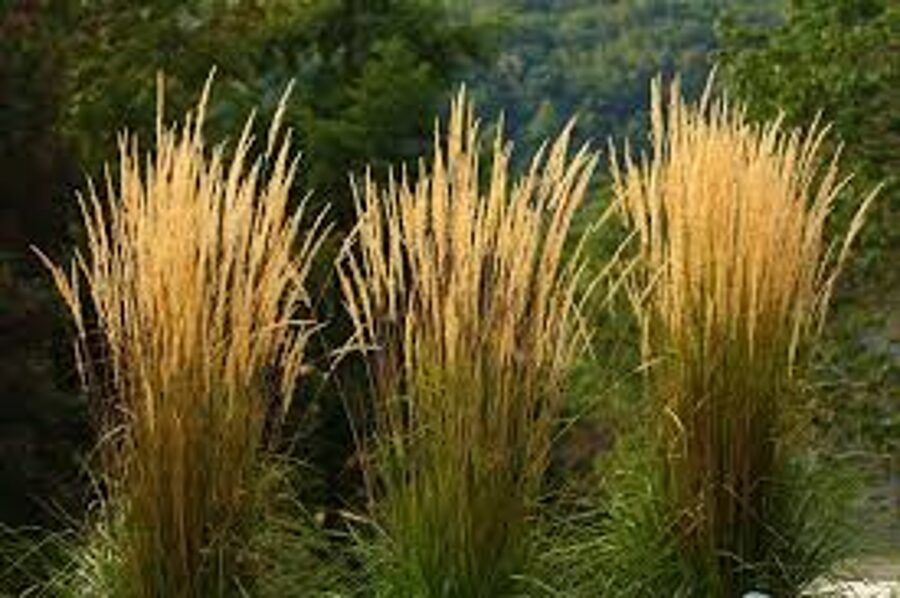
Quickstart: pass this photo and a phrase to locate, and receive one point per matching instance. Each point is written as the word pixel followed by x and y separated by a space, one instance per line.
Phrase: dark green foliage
pixel 837 57
pixel 369 75
pixel 42 420
pixel 287 555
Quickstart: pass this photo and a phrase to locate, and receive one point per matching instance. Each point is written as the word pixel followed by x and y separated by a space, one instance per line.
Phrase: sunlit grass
pixel 186 301
pixel 465 297
pixel 734 281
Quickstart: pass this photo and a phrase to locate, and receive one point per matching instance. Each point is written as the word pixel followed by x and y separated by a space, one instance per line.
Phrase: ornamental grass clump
pixel 465 298
pixel 734 279
pixel 186 301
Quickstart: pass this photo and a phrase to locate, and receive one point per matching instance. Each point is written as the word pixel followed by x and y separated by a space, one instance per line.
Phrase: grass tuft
pixel 463 293
pixel 185 301
pixel 734 281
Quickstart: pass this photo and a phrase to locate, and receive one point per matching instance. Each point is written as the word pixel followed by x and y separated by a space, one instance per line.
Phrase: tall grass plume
pixel 735 278
pixel 465 296
pixel 186 301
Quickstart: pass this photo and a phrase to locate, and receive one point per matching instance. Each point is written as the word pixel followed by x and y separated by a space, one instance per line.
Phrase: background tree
pixel 595 59
pixel 370 75
pixel 41 417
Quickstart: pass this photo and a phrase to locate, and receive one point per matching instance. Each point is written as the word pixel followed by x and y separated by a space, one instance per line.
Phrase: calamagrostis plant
pixel 459 285
pixel 185 304
pixel 734 281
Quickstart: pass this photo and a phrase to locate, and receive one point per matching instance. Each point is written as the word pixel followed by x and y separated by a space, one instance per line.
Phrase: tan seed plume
pixel 185 300
pixel 735 277
pixel 461 289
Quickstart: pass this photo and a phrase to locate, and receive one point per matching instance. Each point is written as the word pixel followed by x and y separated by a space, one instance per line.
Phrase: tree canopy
pixel 369 74
pixel 593 59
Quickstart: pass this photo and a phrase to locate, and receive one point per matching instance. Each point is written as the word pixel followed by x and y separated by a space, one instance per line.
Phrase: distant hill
pixel 595 58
